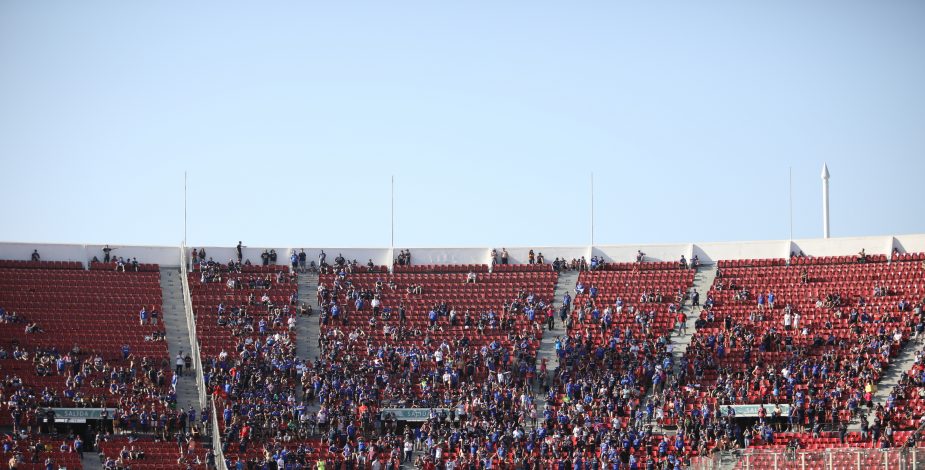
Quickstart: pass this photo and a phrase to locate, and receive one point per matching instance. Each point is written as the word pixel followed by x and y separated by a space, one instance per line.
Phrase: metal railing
pixel 197 359
pixel 191 321
pixel 217 441
pixel 901 458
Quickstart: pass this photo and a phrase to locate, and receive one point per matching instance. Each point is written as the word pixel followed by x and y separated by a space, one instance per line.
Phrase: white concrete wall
pixel 708 252
pixel 520 254
pixel 49 252
pixel 627 253
pixel 843 246
pixel 712 252
pixel 421 256
pixel 909 243
pixel 223 254
pixel 163 255
pixel 380 256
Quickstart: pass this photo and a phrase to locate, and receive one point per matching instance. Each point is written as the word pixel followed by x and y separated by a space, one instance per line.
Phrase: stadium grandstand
pixel 763 354
pixel 462 235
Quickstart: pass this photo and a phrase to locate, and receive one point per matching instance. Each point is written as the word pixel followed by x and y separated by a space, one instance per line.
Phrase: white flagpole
pixel 825 201
pixel 592 208
pixel 184 208
pixel 392 239
pixel 791 202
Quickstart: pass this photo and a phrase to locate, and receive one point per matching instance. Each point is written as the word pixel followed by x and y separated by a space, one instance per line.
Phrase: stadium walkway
pixel 681 339
pixel 178 335
pixel 308 331
pixel 565 283
pixel 703 280
pixel 898 366
pixel 91 460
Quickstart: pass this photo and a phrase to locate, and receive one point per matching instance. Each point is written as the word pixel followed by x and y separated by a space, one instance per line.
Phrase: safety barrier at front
pixel 903 458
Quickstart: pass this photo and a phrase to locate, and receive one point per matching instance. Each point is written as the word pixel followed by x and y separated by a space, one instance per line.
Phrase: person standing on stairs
pixel 180 362
pixel 240 251
pixel 566 303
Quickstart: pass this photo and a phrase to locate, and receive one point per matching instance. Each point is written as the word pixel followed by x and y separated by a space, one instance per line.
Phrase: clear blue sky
pixel 291 116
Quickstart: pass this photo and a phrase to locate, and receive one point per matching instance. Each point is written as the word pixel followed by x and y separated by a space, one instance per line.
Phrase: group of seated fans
pixel 468 349
pixel 614 367
pixel 33 451
pixel 71 338
pixel 808 339
pixel 143 453
pixel 809 335
pixel 245 320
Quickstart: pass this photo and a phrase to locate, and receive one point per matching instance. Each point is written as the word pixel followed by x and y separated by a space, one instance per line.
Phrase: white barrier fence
pixel 197 360
pixel 191 321
pixel 217 441
pixel 842 458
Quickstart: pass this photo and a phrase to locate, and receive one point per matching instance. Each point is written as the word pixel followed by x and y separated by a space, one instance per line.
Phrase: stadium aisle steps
pixel 178 337
pixel 703 281
pixel 566 283
pixel 897 367
pixel 308 331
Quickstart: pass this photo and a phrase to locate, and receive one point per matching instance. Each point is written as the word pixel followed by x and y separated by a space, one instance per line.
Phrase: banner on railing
pixel 894 458
pixel 753 411
pixel 76 415
pixel 411 414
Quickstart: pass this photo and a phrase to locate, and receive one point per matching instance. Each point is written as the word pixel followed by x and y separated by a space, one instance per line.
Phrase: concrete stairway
pixel 898 366
pixel 178 338
pixel 91 460
pixel 703 280
pixel 308 331
pixel 565 283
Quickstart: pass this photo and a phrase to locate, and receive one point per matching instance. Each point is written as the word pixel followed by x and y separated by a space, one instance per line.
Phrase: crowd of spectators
pixel 820 356
pixel 140 390
pixel 480 383
pixel 42 452
pixel 135 391
pixel 614 397
pixel 615 390
pixel 255 380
